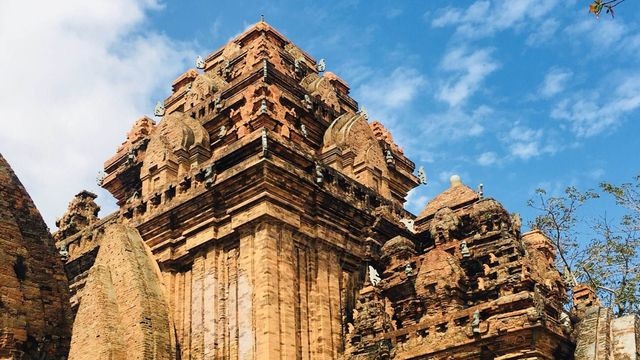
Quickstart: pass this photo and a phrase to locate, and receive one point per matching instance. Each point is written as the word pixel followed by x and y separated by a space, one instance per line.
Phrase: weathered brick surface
pixel 625 332
pixel 594 335
pixel 34 299
pixel 124 313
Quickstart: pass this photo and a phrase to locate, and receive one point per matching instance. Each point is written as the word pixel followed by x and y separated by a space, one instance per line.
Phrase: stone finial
pixel 200 63
pixel 422 176
pixel 64 253
pixel 364 113
pixel 159 109
pixel 475 323
pixel 464 249
pixel 388 157
pixel 319 174
pixel 307 102
pixel 322 66
pixel 455 180
pixel 263 107
pixel 373 276
pixel 408 270
pixel 265 144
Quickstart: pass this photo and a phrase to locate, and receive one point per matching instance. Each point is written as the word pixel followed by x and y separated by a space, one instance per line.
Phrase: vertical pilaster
pixel 197 317
pixel 302 322
pixel 267 309
pixel 287 294
pixel 232 308
pixel 178 295
pixel 246 309
pixel 335 275
pixel 186 351
pixel 222 345
pixel 321 324
pixel 210 304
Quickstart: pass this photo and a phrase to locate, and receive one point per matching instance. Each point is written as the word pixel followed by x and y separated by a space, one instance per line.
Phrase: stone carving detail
pixel 489 215
pixel 261 49
pixel 370 321
pixel 321 87
pixel 138 133
pixel 176 144
pixel 350 146
pixel 382 134
pixel 444 225
pixel 203 86
pixel 475 323
pixel 231 50
pixel 81 213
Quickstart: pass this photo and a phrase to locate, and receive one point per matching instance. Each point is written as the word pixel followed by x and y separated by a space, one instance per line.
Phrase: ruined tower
pixel 34 299
pixel 254 216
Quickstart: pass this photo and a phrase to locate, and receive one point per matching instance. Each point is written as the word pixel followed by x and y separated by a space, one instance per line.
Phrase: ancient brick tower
pixel 34 299
pixel 254 214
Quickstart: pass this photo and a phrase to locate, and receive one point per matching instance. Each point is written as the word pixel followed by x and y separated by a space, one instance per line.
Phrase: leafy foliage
pixel 597 6
pixel 610 259
pixel 558 220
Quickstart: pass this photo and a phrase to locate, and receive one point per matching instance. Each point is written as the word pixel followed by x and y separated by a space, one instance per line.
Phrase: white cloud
pixel 609 32
pixel 615 40
pixel 544 32
pixel 593 113
pixel 487 158
pixel 470 68
pixel 76 76
pixel 385 94
pixel 524 142
pixel 416 199
pixel 393 13
pixel 400 87
pixel 596 174
pixel 454 125
pixel 555 82
pixel 485 18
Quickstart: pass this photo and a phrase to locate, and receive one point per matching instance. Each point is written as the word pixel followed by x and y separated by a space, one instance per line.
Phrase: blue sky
pixel 514 94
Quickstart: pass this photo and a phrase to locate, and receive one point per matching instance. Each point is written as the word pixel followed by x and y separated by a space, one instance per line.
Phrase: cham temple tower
pixel 262 217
